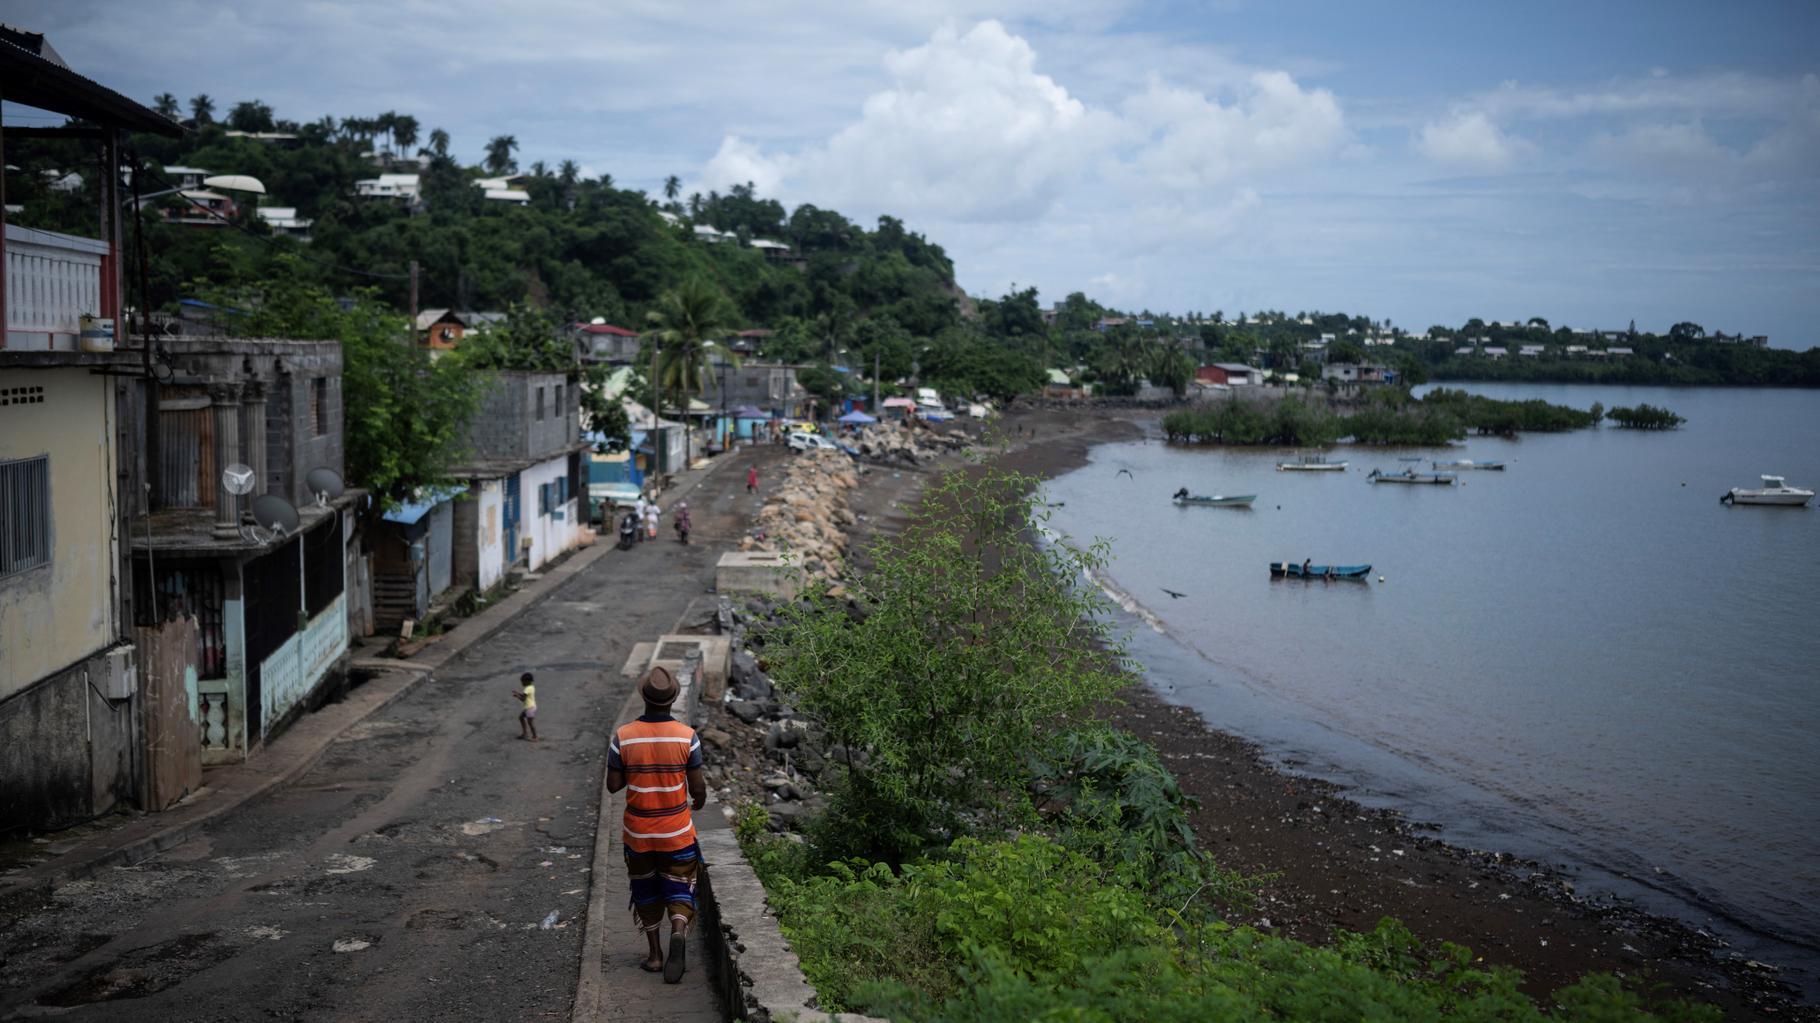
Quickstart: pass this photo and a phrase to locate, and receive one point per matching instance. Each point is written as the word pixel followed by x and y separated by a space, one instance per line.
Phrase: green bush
pixel 1645 417
pixel 1110 798
pixel 1507 418
pixel 977 647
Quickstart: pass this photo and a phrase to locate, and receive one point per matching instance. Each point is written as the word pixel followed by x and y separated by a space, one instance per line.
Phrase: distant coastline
pixel 1782 369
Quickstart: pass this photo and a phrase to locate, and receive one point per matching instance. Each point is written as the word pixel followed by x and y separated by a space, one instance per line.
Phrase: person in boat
pixel 1305 563
pixel 1180 494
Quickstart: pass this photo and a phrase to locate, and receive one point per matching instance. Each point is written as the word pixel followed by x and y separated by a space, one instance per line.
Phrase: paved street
pixel 410 874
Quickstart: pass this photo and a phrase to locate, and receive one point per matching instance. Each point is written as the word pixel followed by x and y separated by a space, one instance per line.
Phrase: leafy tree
pixel 1172 368
pixel 499 154
pixel 978 649
pixel 406 414
pixel 1686 332
pixel 250 115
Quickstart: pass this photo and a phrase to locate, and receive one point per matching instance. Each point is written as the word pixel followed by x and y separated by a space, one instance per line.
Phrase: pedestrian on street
pixel 752 480
pixel 658 828
pixel 527 717
pixel 639 508
pixel 651 520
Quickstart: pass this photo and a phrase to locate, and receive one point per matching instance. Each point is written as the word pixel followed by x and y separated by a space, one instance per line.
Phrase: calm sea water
pixel 1585 659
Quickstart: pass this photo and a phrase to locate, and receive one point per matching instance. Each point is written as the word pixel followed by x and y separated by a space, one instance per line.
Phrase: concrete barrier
pixel 773 573
pixel 758 977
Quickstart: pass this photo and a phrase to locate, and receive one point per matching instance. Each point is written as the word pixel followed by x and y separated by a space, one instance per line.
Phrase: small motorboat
pixel 1311 463
pixel 1468 463
pixel 1182 496
pixel 1291 570
pixel 1774 491
pixel 1439 479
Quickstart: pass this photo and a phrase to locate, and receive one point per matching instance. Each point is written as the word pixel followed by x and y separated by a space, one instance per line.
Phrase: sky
pixel 1590 163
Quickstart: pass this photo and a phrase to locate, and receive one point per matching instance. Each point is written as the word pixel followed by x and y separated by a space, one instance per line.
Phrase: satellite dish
pixel 238 479
pixel 324 483
pixel 275 514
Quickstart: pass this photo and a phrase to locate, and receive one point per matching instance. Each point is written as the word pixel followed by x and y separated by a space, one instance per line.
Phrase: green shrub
pixel 1645 417
pixel 977 647
pixel 1110 798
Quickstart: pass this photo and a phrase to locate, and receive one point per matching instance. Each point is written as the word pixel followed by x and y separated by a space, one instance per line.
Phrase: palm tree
pixel 686 319
pixel 404 129
pixel 439 142
pixel 672 187
pixel 1172 368
pixel 539 169
pixel 166 104
pixel 499 154
pixel 202 109
pixel 568 171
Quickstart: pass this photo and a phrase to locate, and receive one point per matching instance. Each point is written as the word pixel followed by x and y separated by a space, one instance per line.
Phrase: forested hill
pixel 581 247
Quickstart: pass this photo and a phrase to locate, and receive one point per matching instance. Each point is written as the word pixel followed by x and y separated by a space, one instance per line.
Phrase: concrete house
pixel 1229 373
pixel 601 341
pixel 77 700
pixel 523 475
pixel 271 609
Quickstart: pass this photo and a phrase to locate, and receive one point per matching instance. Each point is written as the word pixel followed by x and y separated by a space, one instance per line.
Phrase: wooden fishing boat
pixel 1182 496
pixel 1467 463
pixel 1311 463
pixel 1775 490
pixel 1439 479
pixel 1291 570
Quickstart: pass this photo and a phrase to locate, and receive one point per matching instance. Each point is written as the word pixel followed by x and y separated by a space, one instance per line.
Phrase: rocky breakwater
pixel 762 749
pixel 807 515
pixel 907 442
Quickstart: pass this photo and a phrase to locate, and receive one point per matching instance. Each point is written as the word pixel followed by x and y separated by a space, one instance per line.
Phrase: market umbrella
pixel 857 418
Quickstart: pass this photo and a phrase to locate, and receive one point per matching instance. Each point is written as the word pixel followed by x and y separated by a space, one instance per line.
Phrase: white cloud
pixel 1469 139
pixel 970 129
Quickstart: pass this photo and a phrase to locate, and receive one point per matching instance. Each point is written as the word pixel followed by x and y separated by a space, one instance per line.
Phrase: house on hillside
pixel 1232 374
pixel 1357 373
pixel 284 220
pixel 600 341
pixel 1496 351
pixel 770 387
pixel 522 475
pixel 405 188
pixel 1531 351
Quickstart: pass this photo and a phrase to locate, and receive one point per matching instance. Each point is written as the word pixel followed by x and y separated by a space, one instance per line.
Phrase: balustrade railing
pixel 52 281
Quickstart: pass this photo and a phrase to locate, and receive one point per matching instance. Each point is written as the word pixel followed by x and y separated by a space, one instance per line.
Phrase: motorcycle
pixel 628 531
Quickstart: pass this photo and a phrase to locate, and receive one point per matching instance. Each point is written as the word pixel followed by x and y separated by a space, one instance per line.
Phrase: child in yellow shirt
pixel 527 718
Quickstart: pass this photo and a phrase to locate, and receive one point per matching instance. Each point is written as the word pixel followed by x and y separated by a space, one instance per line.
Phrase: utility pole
pixel 875 382
pixel 413 301
pixel 658 442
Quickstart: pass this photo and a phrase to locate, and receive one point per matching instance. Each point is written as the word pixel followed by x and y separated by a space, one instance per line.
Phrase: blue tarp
pixel 857 418
pixel 427 498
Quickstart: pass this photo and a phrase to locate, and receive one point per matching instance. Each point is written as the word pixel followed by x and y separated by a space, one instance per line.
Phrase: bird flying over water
pixel 1123 472
pixel 1174 594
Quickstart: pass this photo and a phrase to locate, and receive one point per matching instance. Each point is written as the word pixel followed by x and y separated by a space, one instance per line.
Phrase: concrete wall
pixel 300 663
pixel 57 614
pixel 508 426
pixel 66 753
pixel 553 533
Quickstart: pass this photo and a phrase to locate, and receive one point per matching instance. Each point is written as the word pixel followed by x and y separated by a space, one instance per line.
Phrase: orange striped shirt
pixel 656 754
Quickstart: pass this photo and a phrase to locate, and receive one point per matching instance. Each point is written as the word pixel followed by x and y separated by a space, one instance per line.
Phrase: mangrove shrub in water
pixel 1645 417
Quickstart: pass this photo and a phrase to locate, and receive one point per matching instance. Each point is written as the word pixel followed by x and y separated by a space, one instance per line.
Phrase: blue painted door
pixel 510 515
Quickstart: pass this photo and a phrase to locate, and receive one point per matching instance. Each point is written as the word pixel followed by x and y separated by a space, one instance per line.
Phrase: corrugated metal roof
pixel 427 498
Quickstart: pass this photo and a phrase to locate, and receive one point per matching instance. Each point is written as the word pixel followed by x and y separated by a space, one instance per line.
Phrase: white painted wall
pixel 57 614
pixel 299 663
pixel 491 525
pixel 550 535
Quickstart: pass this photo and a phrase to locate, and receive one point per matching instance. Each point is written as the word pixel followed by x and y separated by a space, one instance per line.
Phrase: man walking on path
pixel 653 758
pixel 639 507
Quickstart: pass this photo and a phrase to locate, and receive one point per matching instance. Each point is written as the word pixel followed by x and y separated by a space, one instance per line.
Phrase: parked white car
pixel 799 441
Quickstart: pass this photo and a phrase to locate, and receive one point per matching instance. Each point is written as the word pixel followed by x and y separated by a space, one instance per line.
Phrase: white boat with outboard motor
pixel 1774 491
